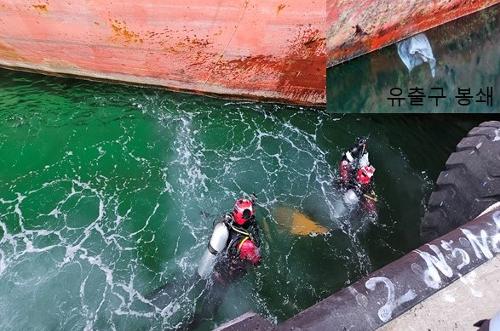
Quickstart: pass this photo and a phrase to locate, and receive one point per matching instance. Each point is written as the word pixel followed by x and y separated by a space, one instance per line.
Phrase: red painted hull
pixel 271 50
pixel 267 50
pixel 362 26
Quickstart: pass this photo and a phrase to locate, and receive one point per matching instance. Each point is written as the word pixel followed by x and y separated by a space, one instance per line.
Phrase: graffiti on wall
pixel 444 262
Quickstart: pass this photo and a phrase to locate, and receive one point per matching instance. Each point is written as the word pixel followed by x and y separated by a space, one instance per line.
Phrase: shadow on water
pixel 467 53
pixel 101 189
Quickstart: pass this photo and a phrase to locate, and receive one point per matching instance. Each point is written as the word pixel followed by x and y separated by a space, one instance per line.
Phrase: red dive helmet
pixel 248 251
pixel 243 211
pixel 365 174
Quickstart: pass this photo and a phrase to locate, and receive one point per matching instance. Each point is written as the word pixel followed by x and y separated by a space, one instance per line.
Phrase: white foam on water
pixel 197 177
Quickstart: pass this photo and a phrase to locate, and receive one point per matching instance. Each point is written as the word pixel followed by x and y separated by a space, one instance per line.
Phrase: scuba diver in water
pixel 242 249
pixel 234 245
pixel 356 174
pixel 233 249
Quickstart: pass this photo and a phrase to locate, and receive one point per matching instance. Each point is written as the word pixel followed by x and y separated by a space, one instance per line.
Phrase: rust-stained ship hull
pixel 362 26
pixel 270 50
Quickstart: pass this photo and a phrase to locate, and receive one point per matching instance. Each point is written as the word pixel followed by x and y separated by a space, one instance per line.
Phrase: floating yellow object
pixel 296 222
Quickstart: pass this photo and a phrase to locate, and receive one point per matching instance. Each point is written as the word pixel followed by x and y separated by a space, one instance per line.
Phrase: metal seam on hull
pixel 229 41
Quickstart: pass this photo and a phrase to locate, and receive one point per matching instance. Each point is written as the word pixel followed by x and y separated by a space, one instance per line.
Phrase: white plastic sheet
pixel 495 322
pixel 416 50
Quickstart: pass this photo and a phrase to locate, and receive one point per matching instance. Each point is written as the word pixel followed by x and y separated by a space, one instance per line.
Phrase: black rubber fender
pixel 469 184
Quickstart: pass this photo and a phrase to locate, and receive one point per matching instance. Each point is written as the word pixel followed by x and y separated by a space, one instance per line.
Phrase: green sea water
pixel 108 192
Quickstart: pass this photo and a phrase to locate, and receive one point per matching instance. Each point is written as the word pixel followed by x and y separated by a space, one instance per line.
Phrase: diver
pixel 232 250
pixel 234 245
pixel 242 249
pixel 356 174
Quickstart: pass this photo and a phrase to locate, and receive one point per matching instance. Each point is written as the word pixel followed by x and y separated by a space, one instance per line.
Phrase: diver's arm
pixel 354 153
pixel 255 232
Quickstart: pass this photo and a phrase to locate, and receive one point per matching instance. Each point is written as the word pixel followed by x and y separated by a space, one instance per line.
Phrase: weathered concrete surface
pixel 359 27
pixel 247 321
pixel 474 297
pixel 250 49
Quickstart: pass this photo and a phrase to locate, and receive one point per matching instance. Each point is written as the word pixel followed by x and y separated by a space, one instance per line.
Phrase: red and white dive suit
pixel 356 175
pixel 234 245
